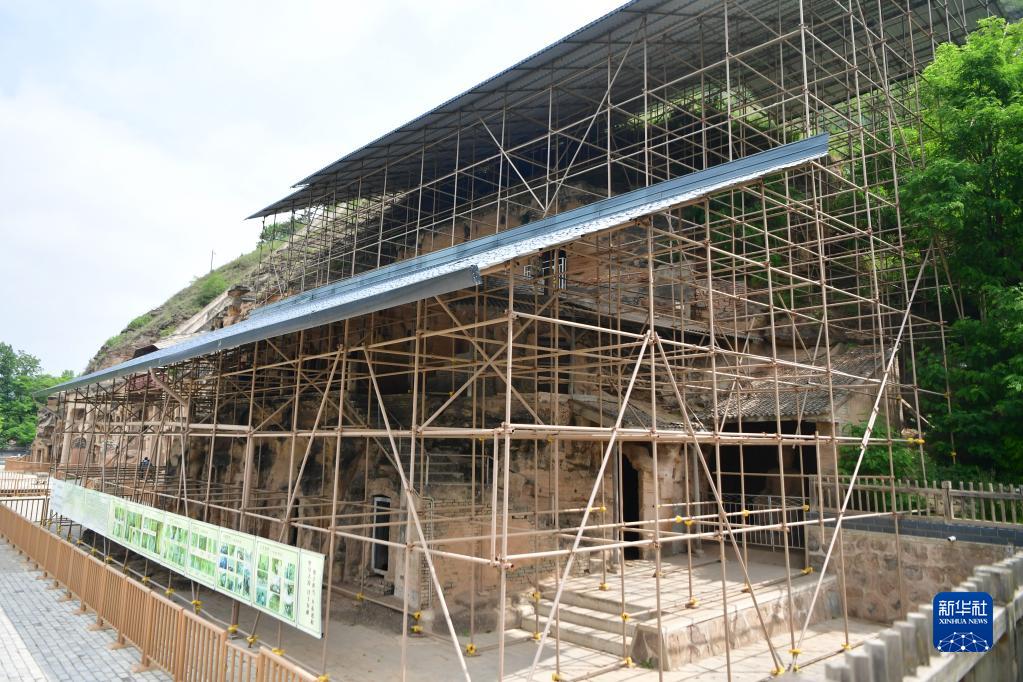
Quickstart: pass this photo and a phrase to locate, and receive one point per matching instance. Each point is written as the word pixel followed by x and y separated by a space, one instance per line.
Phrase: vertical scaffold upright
pixel 502 349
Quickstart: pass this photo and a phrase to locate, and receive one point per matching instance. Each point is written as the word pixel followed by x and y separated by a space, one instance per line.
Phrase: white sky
pixel 136 136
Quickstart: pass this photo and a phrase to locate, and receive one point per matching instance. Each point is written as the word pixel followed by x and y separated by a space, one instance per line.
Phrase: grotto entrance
pixel 630 506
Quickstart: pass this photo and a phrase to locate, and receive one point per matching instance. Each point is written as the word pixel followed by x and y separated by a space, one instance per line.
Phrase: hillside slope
pixel 162 320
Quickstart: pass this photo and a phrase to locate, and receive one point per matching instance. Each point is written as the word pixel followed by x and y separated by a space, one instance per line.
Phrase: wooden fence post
pixel 177 669
pixel 98 606
pixel 146 646
pixel 946 488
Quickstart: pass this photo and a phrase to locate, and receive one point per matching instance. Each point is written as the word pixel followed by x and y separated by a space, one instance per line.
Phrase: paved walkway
pixel 42 638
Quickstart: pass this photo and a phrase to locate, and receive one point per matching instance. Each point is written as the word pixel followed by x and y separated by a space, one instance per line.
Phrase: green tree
pixel 985 375
pixel 969 196
pixel 968 199
pixel 20 377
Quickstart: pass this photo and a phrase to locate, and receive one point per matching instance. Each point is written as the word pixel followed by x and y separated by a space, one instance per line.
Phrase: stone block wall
pixel 906 650
pixel 929 565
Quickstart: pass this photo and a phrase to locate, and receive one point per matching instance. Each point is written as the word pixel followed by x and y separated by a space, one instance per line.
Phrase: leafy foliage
pixel 210 286
pixel 905 460
pixel 274 234
pixel 20 377
pixel 969 194
pixel 969 200
pixel 140 321
pixel 985 373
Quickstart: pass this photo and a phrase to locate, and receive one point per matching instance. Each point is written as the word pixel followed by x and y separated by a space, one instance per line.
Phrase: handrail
pixel 168 636
pixel 980 503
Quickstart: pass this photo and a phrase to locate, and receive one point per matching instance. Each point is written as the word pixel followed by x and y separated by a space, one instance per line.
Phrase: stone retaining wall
pixel 906 649
pixel 929 566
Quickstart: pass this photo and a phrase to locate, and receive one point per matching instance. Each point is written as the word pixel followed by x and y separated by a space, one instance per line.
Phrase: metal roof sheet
pixel 459 267
pixel 574 56
pixel 566 226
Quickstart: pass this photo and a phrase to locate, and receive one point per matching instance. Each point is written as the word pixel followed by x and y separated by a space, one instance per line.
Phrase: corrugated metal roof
pixel 495 249
pixel 345 304
pixel 459 266
pixel 578 56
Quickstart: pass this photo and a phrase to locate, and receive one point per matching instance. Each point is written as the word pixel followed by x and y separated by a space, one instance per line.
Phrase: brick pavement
pixel 42 638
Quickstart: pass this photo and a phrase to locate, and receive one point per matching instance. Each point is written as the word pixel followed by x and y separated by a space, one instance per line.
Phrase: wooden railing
pixel 169 636
pixel 984 503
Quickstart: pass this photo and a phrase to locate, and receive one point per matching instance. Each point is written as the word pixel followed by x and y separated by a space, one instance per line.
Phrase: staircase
pixel 587 621
pixel 692 630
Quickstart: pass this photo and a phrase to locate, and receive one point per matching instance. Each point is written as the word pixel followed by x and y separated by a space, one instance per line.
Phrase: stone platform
pixel 592 617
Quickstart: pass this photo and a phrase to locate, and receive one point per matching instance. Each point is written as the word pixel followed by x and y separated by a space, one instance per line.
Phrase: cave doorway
pixel 630 506
pixel 382 532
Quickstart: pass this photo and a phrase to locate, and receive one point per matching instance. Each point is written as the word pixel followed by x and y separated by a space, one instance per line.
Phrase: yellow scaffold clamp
pixel 745 513
pixel 323 678
pixel 555 677
pixel 251 639
pixel 79 543
pixel 168 592
pixel 775 672
pixel 359 596
pixel 689 522
pixel 145 580
pixel 277 651
pixel 625 617
pixel 471 650
pixel 795 652
pixel 535 596
pixel 94 551
pixel 602 587
pixel 108 559
pixel 197 605
pixel 417 629
pixel 692 603
pixel 232 629
pixel 806 507
pixel 628 662
pixel 417 615
pixel 537 636
pixel 808 570
pixel 846 646
pixel 678 518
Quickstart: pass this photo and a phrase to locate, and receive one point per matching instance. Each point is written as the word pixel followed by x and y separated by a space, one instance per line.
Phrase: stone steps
pixel 592 618
pixel 580 635
pixel 604 602
pixel 586 620
pixel 595 620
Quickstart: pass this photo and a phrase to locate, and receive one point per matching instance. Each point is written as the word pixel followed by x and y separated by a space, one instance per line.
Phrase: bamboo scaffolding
pixel 704 344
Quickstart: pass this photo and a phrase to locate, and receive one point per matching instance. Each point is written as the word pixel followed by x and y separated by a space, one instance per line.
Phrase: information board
pixel 309 610
pixel 283 581
pixel 174 543
pixel 277 579
pixel 202 552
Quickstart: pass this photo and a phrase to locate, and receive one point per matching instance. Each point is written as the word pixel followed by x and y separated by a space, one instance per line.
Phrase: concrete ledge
pixel 904 651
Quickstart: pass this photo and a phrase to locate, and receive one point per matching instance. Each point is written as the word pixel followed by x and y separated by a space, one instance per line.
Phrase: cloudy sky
pixel 136 136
